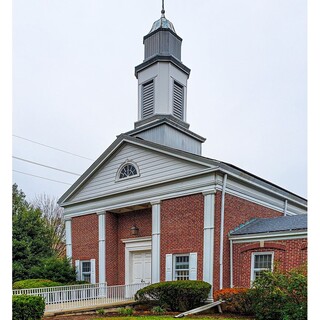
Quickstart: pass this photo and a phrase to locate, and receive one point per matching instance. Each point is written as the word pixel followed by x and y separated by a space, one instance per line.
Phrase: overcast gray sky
pixel 74 87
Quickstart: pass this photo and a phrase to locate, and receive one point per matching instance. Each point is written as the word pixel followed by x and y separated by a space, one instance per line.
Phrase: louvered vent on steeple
pixel 178 100
pixel 147 99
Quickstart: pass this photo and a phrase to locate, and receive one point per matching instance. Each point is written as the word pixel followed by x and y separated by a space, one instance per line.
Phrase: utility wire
pixel 43 165
pixel 45 145
pixel 32 175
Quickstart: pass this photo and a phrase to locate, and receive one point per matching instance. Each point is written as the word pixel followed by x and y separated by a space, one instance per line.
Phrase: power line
pixel 45 145
pixel 32 175
pixel 43 165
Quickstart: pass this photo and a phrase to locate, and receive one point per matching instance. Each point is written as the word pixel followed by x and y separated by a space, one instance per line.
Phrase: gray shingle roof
pixel 267 225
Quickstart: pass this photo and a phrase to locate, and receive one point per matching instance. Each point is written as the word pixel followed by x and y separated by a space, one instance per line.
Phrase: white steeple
pixel 162 77
pixel 162 91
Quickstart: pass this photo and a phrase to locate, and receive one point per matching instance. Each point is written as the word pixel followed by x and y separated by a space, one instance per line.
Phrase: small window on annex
pixel 127 170
pixel 261 261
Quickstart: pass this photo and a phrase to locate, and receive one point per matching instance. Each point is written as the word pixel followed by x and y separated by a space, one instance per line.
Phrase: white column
pixel 208 238
pixel 155 253
pixel 68 238
pixel 102 246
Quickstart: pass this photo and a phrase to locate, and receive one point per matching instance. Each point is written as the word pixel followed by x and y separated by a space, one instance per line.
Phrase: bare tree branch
pixel 53 214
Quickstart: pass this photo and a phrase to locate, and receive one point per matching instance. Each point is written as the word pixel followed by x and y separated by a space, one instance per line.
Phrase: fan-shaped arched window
pixel 127 170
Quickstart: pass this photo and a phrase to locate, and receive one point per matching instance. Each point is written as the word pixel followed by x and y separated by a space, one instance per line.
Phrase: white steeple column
pixel 208 238
pixel 155 258
pixel 102 246
pixel 68 238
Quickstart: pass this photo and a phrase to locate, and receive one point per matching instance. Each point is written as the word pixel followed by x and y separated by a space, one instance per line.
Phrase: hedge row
pixel 41 283
pixel 176 295
pixel 34 283
pixel 26 307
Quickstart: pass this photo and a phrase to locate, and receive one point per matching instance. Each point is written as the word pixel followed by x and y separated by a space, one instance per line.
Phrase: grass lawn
pixel 220 317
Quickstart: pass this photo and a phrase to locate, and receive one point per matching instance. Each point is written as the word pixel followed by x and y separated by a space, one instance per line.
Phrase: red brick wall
pixel 236 212
pixel 143 220
pixel 85 239
pixel 111 248
pixel 182 229
pixel 288 254
pixel 181 232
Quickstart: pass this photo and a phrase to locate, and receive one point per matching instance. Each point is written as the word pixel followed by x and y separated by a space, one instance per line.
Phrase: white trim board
pixel 269 237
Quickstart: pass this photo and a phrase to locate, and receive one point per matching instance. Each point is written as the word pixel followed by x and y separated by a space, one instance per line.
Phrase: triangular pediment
pixel 156 164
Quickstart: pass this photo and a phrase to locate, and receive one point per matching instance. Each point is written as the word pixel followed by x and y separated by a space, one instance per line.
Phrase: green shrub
pixel 126 311
pixel 72 283
pixel 157 310
pixel 55 269
pixel 27 307
pixel 236 300
pixel 34 283
pixel 177 295
pixel 280 296
pixel 101 312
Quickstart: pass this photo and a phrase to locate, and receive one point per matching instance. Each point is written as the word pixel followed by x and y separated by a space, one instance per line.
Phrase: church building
pixel 152 208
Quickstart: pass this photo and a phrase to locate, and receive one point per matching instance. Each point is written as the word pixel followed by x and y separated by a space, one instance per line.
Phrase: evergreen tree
pixel 31 240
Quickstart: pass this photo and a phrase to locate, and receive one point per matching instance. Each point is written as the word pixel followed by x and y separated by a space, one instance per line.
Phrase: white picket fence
pixel 85 295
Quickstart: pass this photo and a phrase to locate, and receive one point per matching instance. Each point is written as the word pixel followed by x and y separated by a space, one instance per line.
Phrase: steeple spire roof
pixel 163 22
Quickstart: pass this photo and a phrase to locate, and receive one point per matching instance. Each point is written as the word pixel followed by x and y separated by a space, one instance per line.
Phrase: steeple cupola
pixel 162 77
pixel 162 40
pixel 162 91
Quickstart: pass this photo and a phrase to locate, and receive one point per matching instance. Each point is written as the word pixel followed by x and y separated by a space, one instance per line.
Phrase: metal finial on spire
pixel 162 11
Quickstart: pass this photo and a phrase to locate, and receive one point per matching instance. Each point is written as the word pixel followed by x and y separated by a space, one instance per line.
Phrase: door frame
pixel 133 245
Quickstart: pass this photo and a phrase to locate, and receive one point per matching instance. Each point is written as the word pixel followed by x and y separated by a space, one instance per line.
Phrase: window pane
pixel 182 262
pixel 132 170
pixel 86 277
pixel 182 275
pixel 263 261
pixel 127 171
pixel 86 266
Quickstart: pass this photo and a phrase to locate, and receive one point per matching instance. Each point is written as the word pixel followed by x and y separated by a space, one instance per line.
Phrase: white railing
pixel 81 296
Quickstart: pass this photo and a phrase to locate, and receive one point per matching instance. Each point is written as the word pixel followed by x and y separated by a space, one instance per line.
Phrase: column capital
pixel 208 192
pixel 155 202
pixel 101 212
pixel 67 218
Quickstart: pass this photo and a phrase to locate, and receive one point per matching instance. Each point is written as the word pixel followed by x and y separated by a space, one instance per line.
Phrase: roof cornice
pixel 303 233
pixel 158 120
pixel 161 58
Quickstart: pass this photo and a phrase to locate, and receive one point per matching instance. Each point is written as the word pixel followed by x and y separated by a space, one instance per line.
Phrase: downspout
pixel 222 228
pixel 285 207
pixel 231 264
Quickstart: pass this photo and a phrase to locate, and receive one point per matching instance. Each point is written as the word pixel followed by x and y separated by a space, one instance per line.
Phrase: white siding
pixel 153 166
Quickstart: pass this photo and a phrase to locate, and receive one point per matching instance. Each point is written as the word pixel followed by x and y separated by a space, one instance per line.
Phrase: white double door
pixel 141 266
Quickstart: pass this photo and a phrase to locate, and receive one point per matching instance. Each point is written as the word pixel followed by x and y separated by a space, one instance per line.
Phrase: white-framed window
pixel 261 261
pixel 127 170
pixel 86 270
pixel 181 266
